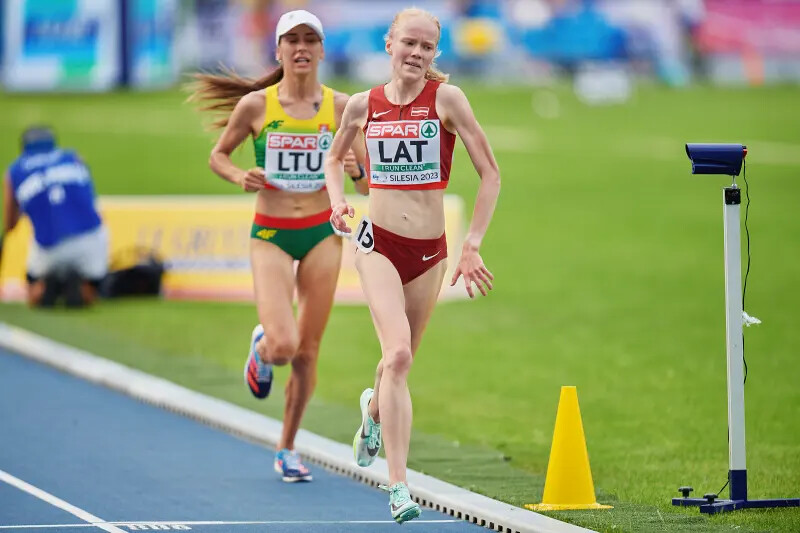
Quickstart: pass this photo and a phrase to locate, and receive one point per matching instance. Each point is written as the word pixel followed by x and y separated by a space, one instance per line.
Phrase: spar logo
pixel 390 130
pixel 403 142
pixel 297 152
pixel 325 141
pixel 284 141
pixel 279 141
pixel 429 129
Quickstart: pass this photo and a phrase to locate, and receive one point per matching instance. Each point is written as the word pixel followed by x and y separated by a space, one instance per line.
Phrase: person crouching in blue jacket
pixel 68 254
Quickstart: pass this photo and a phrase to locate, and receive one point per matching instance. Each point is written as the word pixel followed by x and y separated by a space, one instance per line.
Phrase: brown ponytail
pixel 219 93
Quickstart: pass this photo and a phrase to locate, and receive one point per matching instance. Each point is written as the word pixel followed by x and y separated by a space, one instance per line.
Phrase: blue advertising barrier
pixel 65 45
pixel 75 45
pixel 149 28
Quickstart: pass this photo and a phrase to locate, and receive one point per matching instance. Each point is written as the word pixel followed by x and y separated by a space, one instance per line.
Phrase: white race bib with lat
pixel 404 152
pixel 293 161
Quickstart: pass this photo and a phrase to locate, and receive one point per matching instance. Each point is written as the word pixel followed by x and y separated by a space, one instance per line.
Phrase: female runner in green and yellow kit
pixel 291 118
pixel 291 152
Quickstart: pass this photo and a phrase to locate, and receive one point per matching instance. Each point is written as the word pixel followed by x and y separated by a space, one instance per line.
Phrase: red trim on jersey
pixel 380 109
pixel 292 223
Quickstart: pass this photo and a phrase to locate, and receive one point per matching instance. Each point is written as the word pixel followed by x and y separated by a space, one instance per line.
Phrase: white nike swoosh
pixel 375 114
pixel 426 258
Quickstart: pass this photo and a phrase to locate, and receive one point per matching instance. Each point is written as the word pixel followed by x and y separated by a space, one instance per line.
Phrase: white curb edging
pixel 334 456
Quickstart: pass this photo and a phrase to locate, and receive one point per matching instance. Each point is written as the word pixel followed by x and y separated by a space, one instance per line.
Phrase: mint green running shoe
pixel 401 505
pixel 367 442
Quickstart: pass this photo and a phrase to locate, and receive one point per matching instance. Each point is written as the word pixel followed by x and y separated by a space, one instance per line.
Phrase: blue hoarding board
pixel 67 45
pixel 151 42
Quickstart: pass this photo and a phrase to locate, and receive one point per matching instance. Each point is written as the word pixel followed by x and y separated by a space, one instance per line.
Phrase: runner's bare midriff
pixel 417 214
pixel 284 204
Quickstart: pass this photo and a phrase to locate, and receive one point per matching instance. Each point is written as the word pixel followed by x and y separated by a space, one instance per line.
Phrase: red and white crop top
pixel 407 147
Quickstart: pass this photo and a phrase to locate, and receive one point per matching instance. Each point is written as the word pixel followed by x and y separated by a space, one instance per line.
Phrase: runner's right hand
pixel 338 212
pixel 252 180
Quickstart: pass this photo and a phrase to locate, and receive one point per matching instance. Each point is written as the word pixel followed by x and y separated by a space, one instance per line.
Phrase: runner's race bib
pixel 293 161
pixel 363 237
pixel 404 152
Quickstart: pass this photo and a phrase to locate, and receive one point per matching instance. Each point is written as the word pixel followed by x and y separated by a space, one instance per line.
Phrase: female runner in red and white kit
pixel 410 126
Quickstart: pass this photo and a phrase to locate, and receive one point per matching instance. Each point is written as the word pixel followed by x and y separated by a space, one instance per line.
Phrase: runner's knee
pixel 306 358
pixel 397 360
pixel 281 349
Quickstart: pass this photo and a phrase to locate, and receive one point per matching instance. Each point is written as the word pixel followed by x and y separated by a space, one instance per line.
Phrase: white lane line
pixel 184 525
pixel 58 502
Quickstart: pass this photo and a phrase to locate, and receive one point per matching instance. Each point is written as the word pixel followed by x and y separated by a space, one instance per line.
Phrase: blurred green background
pixel 608 258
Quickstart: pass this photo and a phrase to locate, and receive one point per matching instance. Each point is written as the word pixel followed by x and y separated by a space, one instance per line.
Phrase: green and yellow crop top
pixel 292 151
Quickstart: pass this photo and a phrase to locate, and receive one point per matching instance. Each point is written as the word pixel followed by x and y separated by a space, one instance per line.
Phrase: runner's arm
pixel 356 158
pixel 353 119
pixel 453 107
pixel 238 128
pixel 458 117
pixel 359 150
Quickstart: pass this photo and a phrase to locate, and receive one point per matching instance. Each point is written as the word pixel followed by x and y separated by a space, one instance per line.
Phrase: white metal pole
pixel 733 326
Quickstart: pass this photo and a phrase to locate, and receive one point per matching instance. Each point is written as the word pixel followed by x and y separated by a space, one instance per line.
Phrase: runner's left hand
pixel 471 266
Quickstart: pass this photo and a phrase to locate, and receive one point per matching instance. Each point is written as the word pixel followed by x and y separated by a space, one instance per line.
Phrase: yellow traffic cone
pixel 569 478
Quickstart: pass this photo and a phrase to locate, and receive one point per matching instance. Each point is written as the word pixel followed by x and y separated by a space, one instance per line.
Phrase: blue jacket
pixel 54 189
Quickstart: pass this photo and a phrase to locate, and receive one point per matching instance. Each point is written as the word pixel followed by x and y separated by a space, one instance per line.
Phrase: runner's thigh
pixel 317 275
pixel 421 295
pixel 384 292
pixel 273 281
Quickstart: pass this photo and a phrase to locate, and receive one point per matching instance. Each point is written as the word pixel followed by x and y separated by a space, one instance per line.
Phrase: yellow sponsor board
pixel 205 244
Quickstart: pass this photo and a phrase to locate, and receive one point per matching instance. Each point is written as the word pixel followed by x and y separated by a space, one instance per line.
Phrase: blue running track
pixel 129 466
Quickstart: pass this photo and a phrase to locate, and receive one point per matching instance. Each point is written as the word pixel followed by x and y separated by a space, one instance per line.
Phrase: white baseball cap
pixel 292 19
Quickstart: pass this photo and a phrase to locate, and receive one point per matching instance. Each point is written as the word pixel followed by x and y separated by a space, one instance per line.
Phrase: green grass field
pixel 608 257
